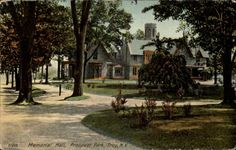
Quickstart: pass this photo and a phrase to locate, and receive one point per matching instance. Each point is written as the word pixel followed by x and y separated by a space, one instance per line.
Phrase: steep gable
pixel 178 50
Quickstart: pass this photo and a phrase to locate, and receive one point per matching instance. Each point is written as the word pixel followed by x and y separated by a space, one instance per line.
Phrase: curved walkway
pixel 56 124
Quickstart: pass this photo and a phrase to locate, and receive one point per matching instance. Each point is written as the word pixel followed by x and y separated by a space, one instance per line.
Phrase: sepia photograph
pixel 117 74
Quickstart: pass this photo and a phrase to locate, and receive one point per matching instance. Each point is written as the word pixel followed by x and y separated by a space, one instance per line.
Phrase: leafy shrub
pixel 151 105
pixel 169 108
pixel 180 93
pixel 145 114
pixel 93 86
pixel 103 80
pixel 187 109
pixel 89 85
pixel 141 117
pixel 167 70
pixel 119 102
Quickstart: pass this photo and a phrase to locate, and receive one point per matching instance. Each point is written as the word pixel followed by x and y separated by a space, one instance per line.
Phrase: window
pixel 135 71
pixel 118 71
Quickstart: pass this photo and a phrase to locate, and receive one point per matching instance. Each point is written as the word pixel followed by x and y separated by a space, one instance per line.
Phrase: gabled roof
pixel 135 47
pixel 198 49
pixel 192 51
pixel 110 49
pixel 176 50
pixel 205 54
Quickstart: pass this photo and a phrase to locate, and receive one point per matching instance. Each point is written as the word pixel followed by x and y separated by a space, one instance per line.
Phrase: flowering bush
pixel 169 108
pixel 119 103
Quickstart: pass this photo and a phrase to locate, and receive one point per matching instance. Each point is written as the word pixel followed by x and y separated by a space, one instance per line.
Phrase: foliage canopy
pixel 213 23
pixel 167 70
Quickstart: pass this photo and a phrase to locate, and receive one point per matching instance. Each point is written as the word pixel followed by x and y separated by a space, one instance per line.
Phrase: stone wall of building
pixel 150 31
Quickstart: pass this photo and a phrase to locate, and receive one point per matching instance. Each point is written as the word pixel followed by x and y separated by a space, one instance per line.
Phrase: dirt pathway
pixel 56 125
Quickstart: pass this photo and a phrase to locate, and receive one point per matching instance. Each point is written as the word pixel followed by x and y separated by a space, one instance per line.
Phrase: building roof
pixel 110 49
pixel 135 47
pixel 192 51
pixel 205 54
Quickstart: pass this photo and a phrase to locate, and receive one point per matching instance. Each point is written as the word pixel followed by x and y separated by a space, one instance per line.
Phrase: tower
pixel 150 31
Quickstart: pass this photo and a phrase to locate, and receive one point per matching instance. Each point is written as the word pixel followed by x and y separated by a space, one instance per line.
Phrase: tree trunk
pixel 215 70
pixel 85 63
pixel 42 74
pixel 26 31
pixel 80 34
pixel 12 78
pixel 25 93
pixel 17 79
pixel 46 74
pixel 7 77
pixel 62 71
pixel 59 67
pixel 17 82
pixel 227 73
pixel 86 60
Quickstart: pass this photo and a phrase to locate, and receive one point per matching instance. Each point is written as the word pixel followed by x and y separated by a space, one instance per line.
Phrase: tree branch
pixel 15 18
pixel 86 5
pixel 74 17
pixel 233 59
pixel 87 59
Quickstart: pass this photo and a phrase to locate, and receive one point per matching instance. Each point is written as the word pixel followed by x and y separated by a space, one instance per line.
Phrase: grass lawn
pixel 130 90
pixel 108 89
pixel 112 89
pixel 209 127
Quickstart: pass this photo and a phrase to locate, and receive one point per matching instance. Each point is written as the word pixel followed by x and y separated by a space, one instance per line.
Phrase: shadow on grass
pixel 76 98
pixel 208 128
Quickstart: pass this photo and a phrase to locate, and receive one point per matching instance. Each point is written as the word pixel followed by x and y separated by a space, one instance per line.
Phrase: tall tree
pixel 80 35
pixel 34 35
pixel 215 50
pixel 63 43
pixel 25 28
pixel 107 26
pixel 139 34
pixel 164 69
pixel 9 43
pixel 213 22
